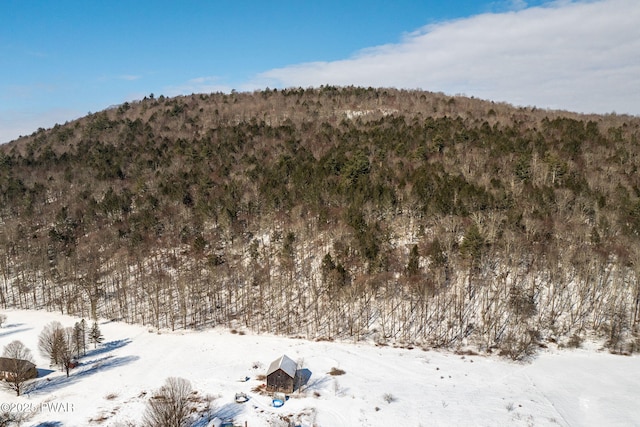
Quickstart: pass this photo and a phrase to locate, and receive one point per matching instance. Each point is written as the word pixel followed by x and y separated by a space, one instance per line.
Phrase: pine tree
pixel 95 336
pixel 413 266
pixel 83 325
pixel 80 338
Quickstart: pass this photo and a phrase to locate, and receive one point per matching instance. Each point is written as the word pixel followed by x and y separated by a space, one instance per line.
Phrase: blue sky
pixel 61 59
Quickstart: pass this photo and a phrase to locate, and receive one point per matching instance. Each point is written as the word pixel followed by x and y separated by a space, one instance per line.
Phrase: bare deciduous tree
pixel 58 344
pixel 170 405
pixel 51 341
pixel 68 350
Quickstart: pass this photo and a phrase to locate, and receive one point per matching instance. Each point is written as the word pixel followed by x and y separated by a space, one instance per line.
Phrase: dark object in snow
pixel 242 397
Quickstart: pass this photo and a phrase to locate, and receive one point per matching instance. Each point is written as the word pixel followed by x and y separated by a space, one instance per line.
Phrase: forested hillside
pixel 405 217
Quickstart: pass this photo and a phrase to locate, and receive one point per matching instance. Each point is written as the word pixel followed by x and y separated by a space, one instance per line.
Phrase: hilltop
pixel 403 217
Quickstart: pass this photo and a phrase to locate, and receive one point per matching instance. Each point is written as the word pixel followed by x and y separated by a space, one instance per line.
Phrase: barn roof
pixel 284 363
pixel 8 364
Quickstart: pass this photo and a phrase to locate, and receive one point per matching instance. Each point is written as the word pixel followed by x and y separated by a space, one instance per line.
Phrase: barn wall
pixel 30 373
pixel 280 381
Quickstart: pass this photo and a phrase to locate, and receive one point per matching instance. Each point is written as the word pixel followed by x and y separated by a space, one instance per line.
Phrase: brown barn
pixel 281 375
pixel 9 367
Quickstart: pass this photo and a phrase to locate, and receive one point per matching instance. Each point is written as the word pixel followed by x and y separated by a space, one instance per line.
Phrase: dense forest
pixel 403 217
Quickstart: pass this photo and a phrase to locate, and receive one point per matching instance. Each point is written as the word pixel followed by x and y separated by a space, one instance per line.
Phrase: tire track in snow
pixel 566 423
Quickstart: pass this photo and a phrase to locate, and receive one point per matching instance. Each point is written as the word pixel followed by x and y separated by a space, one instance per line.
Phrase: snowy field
pixel 381 386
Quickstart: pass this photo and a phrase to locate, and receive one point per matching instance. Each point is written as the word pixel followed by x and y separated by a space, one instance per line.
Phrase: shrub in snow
pixel 336 371
pixel 388 397
pixel 170 406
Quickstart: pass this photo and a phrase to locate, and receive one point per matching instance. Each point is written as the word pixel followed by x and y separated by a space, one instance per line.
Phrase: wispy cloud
pixel 119 77
pixel 506 5
pixel 37 54
pixel 576 55
pixel 11 93
pixel 129 77
pixel 517 4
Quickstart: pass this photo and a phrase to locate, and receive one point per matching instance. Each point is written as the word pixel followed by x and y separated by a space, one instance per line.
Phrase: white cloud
pixel 578 55
pixel 581 56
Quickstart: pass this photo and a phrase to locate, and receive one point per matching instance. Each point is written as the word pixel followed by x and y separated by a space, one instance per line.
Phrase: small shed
pixel 281 375
pixel 10 368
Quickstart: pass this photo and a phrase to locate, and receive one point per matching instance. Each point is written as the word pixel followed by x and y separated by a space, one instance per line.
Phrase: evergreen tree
pixel 80 337
pixel 95 336
pixel 83 325
pixel 413 266
pixel 472 245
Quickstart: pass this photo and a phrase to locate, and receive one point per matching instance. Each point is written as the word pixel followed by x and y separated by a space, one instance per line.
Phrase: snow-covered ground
pixel 381 386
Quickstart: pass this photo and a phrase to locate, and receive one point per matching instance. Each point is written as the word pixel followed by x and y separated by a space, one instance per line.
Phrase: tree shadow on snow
pixel 104 363
pixel 49 424
pixel 12 325
pixel 228 411
pixel 107 347
pixel 14 331
pixel 319 383
pixel 48 385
